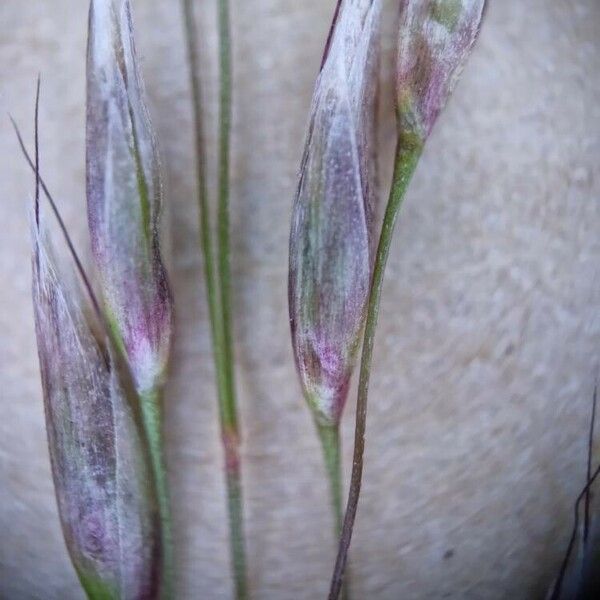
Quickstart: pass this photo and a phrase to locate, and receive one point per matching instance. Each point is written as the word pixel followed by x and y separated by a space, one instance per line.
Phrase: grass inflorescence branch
pixel 217 275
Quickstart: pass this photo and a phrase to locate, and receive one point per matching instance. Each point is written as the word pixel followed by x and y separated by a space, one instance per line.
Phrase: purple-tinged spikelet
pixel 100 464
pixel 332 224
pixel 436 37
pixel 124 195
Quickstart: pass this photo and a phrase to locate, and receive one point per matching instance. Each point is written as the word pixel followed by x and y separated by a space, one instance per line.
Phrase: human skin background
pixel 489 336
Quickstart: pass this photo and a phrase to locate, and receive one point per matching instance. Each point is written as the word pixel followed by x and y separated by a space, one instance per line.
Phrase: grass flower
pixel 100 462
pixel 124 196
pixel 435 39
pixel 101 465
pixel 332 224
pixel 332 232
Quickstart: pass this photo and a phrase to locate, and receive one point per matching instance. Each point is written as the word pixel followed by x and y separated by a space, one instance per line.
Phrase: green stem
pixel 95 589
pixel 330 442
pixel 206 242
pixel 229 415
pixel 218 281
pixel 151 415
pixel 408 152
pixel 236 512
pixel 236 538
pixel 224 245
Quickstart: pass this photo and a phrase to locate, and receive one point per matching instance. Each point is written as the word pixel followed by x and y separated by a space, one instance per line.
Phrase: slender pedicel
pixel 206 242
pixel 218 279
pixel 124 197
pixel 436 37
pixel 332 230
pixel 229 411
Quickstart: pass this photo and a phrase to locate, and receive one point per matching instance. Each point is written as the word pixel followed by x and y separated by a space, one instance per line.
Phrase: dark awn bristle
pixel 37 153
pixel 585 493
pixel 41 183
pixel 330 35
pixel 586 518
pixel 565 563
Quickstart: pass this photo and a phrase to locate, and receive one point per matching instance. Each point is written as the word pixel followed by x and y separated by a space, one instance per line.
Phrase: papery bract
pixel 332 224
pixel 124 195
pixel 100 464
pixel 436 37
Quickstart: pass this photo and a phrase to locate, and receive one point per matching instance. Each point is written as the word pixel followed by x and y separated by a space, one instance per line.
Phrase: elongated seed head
pixel 105 494
pixel 332 224
pixel 124 195
pixel 435 40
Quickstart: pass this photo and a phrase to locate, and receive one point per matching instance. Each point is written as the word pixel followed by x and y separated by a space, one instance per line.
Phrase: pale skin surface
pixel 489 334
